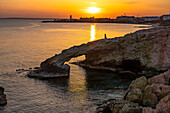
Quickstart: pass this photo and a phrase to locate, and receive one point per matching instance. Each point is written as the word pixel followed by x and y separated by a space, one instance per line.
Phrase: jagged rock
pixel 149 110
pixel 160 90
pixel 135 95
pixel 3 99
pixel 121 106
pixel 134 92
pixel 162 78
pixel 151 94
pixel 149 99
pixel 138 83
pixel 153 98
pixel 142 50
pixel 164 105
pixel 129 108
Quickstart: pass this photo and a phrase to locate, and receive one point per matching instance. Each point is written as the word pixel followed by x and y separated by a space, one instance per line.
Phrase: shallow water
pixel 26 43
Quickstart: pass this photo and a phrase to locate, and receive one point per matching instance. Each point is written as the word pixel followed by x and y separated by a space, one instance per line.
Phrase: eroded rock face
pixel 160 90
pixel 164 105
pixel 142 50
pixel 134 92
pixel 162 78
pixel 149 99
pixel 135 95
pixel 149 94
pixel 140 83
pixel 149 110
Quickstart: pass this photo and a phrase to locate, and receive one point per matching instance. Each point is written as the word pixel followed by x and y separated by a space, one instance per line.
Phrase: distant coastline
pixel 118 19
pixel 28 18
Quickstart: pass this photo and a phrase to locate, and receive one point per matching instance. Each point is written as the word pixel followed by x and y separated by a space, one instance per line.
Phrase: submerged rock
pixel 3 100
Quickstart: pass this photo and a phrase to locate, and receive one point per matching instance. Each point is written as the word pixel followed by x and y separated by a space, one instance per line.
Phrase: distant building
pixel 152 18
pixel 125 19
pixel 165 17
pixel 87 19
pixel 100 20
pixel 71 17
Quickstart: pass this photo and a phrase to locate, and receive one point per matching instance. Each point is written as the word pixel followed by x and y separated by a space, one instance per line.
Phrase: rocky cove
pixel 144 55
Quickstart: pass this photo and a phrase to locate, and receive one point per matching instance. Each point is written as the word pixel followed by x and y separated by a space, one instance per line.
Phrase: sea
pixel 26 43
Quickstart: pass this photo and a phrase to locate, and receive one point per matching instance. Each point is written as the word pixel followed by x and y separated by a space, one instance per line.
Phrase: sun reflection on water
pixel 77 85
pixel 92 32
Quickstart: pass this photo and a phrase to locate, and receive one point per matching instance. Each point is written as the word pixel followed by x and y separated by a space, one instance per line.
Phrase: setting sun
pixel 93 9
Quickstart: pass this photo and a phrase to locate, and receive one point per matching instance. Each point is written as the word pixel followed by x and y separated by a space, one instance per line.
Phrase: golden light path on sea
pixel 92 32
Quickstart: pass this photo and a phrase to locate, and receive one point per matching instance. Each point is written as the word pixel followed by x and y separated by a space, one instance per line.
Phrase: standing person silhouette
pixel 105 36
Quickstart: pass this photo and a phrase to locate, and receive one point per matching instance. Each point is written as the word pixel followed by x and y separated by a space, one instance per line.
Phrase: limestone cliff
pixel 140 51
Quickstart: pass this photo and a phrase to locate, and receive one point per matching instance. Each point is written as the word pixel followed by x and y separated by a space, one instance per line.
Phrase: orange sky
pixel 63 8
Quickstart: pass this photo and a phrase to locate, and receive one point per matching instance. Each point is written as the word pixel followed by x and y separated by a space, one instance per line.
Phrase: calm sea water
pixel 26 43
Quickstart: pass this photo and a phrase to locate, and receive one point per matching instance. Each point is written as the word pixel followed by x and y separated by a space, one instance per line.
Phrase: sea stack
pixel 3 100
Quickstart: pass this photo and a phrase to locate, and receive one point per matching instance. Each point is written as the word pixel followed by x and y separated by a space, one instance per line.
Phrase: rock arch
pixel 147 49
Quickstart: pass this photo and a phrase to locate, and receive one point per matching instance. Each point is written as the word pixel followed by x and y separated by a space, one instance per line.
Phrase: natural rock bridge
pixel 145 49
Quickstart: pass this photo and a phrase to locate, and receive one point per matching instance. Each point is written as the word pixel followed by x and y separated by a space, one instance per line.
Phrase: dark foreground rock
pixel 143 96
pixel 119 106
pixel 3 100
pixel 145 52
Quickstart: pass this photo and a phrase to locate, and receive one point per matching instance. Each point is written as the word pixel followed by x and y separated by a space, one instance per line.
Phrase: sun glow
pixel 93 10
pixel 92 33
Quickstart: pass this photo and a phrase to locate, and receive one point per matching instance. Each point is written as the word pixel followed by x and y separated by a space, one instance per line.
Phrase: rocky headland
pixel 145 52
pixel 3 100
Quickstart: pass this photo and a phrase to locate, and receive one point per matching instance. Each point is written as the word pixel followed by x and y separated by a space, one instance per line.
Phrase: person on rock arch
pixel 105 37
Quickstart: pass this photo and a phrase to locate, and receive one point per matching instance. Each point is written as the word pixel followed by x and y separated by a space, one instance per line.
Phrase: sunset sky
pixel 81 8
